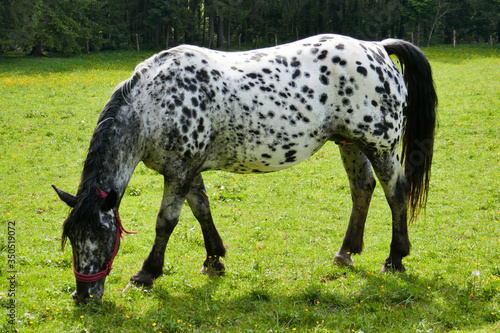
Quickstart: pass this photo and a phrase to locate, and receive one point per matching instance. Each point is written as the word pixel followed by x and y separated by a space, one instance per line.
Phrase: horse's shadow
pixel 342 289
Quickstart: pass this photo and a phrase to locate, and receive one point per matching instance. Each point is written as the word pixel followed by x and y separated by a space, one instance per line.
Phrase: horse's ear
pixel 109 201
pixel 69 199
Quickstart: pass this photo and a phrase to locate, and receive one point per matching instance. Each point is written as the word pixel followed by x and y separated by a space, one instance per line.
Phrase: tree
pixel 442 8
pixel 60 25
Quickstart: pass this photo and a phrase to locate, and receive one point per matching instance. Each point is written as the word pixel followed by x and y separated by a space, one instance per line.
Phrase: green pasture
pixel 281 230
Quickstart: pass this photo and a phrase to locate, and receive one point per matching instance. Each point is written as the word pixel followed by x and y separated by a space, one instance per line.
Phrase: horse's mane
pixel 85 215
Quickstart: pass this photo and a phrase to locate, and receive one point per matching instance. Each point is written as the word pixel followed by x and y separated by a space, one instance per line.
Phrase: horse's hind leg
pixel 391 176
pixel 200 206
pixel 362 183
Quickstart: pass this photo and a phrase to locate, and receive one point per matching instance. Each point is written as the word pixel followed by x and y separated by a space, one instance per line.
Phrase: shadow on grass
pixel 348 299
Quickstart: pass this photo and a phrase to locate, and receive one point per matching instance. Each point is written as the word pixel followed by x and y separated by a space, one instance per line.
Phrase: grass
pixel 281 229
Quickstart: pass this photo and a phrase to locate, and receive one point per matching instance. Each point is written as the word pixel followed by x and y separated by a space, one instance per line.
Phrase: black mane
pixel 85 215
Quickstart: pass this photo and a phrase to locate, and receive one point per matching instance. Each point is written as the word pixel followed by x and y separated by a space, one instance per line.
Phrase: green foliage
pixel 67 25
pixel 281 230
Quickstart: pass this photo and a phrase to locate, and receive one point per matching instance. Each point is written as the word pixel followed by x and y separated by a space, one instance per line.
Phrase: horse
pixel 188 109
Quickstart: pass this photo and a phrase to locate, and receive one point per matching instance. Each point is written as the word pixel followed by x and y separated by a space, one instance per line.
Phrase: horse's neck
pixel 114 161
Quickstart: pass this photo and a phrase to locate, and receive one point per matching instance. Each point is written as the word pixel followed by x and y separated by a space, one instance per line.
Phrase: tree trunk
pixel 167 35
pixel 220 33
pixel 211 31
pixel 37 51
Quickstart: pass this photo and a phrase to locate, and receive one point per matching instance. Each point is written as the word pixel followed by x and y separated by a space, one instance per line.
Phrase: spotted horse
pixel 189 109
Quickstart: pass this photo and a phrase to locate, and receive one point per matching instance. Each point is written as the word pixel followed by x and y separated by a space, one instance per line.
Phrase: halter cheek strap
pixel 87 278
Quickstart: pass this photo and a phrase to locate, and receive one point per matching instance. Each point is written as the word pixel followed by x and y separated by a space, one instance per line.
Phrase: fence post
pixel 454 38
pixel 137 42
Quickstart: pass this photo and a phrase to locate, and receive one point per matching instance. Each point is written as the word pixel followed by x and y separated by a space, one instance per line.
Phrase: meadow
pixel 281 230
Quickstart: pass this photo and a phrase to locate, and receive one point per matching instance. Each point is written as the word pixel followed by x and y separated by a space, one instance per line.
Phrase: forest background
pixel 78 26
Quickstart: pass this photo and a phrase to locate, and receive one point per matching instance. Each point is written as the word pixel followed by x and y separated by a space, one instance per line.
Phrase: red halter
pixel 87 278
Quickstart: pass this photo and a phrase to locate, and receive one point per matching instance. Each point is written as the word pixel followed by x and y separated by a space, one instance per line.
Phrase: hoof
pixel 141 280
pixel 390 267
pixel 214 270
pixel 343 259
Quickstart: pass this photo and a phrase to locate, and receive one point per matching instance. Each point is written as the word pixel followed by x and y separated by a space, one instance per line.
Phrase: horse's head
pixel 94 230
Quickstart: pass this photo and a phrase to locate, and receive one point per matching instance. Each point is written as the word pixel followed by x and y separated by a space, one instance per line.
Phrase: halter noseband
pixel 87 278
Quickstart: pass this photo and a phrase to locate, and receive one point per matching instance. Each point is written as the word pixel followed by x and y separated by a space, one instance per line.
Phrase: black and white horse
pixel 189 109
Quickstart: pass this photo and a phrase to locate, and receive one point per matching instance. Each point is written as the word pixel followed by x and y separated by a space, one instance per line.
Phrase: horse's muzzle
pixel 86 292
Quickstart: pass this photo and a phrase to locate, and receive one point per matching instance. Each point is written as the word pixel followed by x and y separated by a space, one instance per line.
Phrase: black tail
pixel 420 113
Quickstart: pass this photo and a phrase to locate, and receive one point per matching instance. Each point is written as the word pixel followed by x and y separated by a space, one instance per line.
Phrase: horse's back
pixel 267 109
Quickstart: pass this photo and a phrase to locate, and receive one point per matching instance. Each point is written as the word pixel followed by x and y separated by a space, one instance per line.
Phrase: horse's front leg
pixel 173 198
pixel 200 206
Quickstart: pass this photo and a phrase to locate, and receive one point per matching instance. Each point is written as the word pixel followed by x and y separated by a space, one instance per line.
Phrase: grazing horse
pixel 189 109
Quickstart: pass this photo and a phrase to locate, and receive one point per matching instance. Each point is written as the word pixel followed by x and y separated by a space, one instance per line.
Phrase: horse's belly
pixel 270 157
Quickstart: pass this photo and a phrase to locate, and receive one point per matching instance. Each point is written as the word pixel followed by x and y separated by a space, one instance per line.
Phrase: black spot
pixel 177 101
pixel 346 101
pixel 324 79
pixel 202 75
pixel 323 98
pixel 215 73
pixel 348 91
pixel 323 55
pixel 267 70
pixel 368 119
pixel 361 70
pixel 339 46
pixel 200 128
pixel 290 156
pixel 323 69
pixel 187 112
pixel 295 62
pixel 374 103
pixel 270 114
pixel 296 74
pixel 387 87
